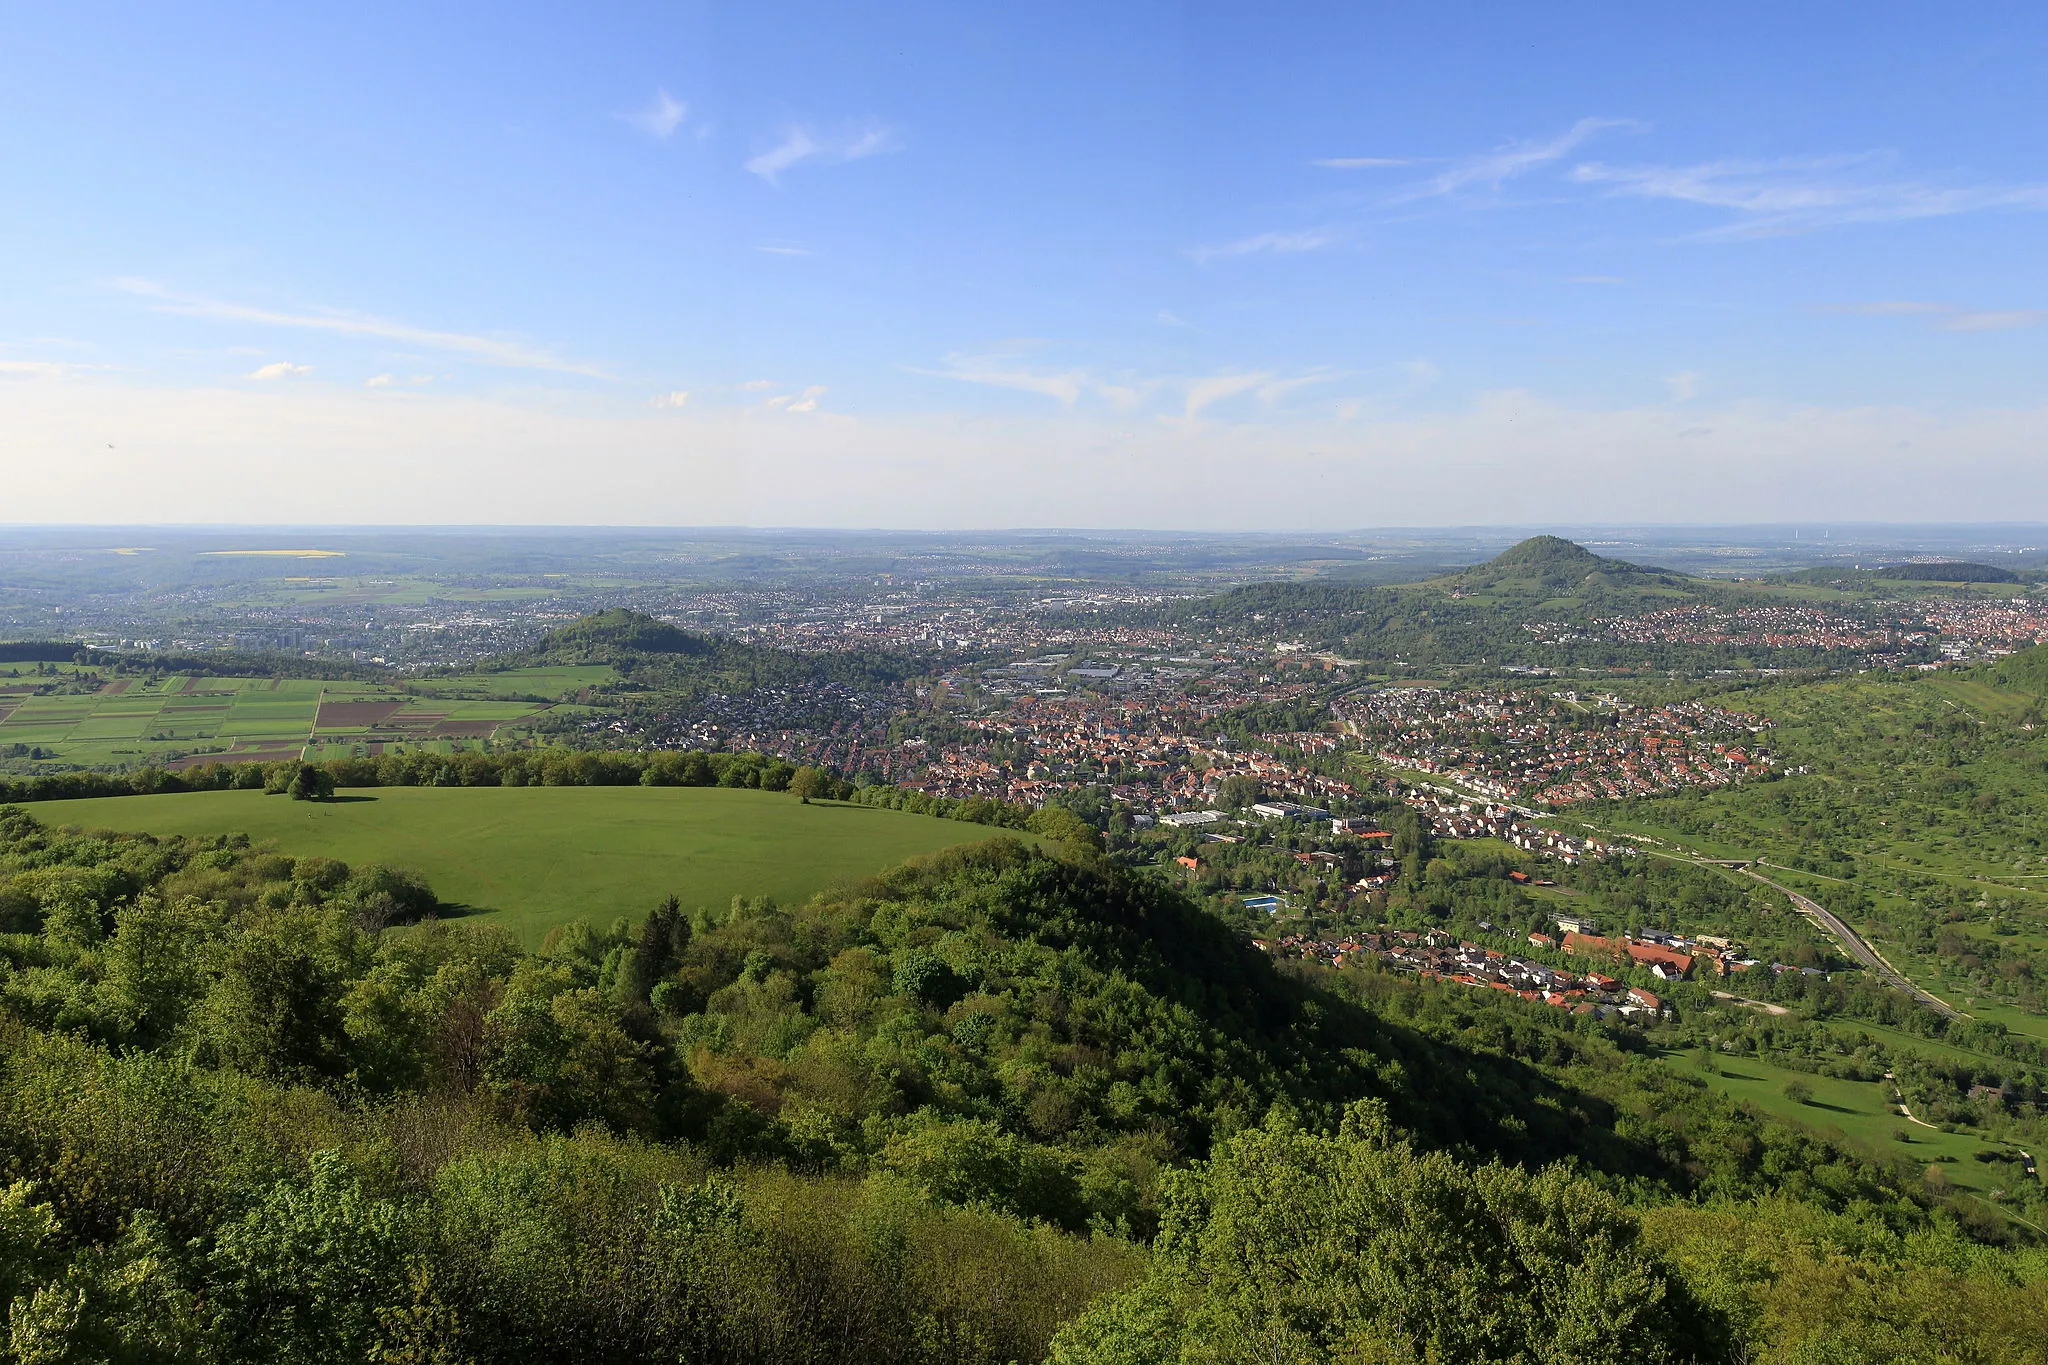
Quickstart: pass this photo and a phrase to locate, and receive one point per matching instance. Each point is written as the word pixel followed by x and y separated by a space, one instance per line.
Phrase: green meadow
pixel 1857 1112
pixel 535 857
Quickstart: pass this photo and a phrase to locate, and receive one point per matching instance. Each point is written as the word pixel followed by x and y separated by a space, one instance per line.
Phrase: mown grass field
pixel 535 857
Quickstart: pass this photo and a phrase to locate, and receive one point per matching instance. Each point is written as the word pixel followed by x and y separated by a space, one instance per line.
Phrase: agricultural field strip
pixel 240 717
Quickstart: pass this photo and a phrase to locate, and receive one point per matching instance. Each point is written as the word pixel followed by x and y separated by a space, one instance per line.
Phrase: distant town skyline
pixel 1151 266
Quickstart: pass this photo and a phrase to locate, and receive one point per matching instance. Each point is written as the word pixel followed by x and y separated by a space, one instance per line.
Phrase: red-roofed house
pixel 1674 963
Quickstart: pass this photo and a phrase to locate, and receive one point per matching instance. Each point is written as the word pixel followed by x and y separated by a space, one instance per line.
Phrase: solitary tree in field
pixel 310 784
pixel 805 783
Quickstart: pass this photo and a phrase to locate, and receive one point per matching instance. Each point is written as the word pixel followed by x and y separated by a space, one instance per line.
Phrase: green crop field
pixel 131 722
pixel 535 857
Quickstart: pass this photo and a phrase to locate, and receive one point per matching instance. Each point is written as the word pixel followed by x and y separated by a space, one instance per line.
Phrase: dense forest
pixel 1006 1103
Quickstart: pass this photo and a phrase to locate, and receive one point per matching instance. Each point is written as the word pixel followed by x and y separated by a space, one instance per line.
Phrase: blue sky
pixel 949 265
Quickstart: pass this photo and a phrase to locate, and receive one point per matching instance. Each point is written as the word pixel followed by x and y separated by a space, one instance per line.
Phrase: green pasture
pixel 1856 1111
pixel 535 857
pixel 1979 696
pixel 1972 1000
pixel 1898 1042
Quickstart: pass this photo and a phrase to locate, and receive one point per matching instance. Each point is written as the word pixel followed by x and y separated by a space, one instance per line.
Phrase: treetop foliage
pixel 258 1107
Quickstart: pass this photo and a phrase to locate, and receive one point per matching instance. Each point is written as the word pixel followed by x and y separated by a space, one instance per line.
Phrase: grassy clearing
pixel 535 857
pixel 1857 1112
pixel 1964 996
pixel 1979 696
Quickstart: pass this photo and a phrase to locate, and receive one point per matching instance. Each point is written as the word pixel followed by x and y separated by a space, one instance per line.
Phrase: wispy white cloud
pixel 1997 320
pixel 485 350
pixel 806 401
pixel 871 142
pixel 279 369
pixel 1280 388
pixel 757 385
pixel 675 398
pixel 1684 386
pixel 1759 197
pixel 1166 317
pixel 388 381
pixel 1124 391
pixel 1803 194
pixel 800 144
pixel 1005 372
pixel 662 116
pixel 1276 243
pixel 42 369
pixel 1490 170
pixel 1361 163
pixel 1949 317
pixel 773 250
pixel 1595 279
pixel 1217 387
pixel 796 146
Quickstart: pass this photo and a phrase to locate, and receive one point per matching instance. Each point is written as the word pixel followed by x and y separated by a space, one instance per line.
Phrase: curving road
pixel 1854 943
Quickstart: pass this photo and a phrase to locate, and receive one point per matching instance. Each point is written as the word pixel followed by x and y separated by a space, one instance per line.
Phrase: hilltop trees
pixel 299 781
pixel 1289 1245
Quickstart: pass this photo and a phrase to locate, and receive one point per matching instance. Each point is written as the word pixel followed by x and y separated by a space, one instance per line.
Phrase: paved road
pixel 1855 944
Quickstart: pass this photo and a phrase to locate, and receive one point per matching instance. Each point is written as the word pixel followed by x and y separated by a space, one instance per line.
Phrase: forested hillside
pixel 1537 604
pixel 668 676
pixel 933 1117
pixel 655 654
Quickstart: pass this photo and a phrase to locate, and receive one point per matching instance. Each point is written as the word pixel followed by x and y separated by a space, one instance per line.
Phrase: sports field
pixel 181 720
pixel 535 857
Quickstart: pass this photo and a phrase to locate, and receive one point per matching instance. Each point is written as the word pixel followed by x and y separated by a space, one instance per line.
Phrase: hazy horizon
pixel 1167 266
